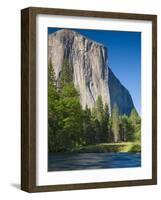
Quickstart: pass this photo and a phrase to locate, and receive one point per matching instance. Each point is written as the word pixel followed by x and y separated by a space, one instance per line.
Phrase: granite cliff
pixel 91 73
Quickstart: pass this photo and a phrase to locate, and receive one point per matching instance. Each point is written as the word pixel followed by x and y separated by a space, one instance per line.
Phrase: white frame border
pixel 43 177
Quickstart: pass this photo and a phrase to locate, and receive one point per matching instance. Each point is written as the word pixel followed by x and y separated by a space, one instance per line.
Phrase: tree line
pixel 70 126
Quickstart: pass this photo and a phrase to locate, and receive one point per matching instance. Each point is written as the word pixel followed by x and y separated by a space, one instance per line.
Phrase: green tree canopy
pixel 115 123
pixel 64 112
pixel 66 74
pixel 53 99
pixel 126 130
pixel 51 75
pixel 136 124
pixel 70 126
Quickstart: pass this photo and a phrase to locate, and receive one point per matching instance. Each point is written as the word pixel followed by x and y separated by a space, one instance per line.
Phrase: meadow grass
pixel 132 147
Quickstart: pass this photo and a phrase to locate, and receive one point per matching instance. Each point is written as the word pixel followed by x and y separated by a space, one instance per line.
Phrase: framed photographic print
pixel 88 99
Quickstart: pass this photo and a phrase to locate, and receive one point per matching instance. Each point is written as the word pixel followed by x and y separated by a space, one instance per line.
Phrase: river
pixel 80 161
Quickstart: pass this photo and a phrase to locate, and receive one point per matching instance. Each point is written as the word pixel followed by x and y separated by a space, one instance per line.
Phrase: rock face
pixel 91 74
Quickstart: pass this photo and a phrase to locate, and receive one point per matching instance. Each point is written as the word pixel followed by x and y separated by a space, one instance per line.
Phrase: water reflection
pixel 80 161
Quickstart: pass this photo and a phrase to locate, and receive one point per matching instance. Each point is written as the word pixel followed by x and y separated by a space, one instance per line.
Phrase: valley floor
pixel 132 147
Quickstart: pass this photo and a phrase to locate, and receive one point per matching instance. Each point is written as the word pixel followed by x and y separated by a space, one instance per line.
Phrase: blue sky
pixel 124 57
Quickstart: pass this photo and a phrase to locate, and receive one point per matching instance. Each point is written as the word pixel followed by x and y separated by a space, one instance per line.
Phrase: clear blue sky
pixel 124 55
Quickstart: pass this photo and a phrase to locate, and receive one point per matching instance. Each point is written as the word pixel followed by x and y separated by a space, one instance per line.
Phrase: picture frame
pixel 29 92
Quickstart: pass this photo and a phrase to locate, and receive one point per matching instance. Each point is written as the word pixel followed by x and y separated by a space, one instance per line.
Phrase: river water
pixel 80 161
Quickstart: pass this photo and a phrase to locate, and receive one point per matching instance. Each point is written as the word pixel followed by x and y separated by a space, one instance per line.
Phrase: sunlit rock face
pixel 91 74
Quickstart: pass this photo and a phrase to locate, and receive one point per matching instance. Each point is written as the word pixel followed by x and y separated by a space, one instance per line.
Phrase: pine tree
pixel 106 124
pixel 70 111
pixel 97 118
pixel 100 115
pixel 87 126
pixel 99 109
pixel 134 117
pixel 136 124
pixel 115 123
pixel 126 130
pixel 53 98
pixel 65 123
pixel 51 75
pixel 95 126
pixel 66 76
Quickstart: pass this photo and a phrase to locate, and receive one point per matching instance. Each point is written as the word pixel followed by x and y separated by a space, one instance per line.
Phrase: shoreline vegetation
pixel 122 147
pixel 74 129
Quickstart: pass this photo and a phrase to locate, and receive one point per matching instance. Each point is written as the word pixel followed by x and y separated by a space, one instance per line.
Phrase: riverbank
pixel 131 147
